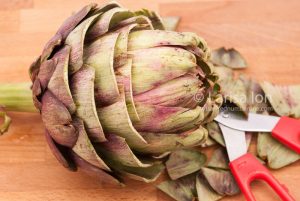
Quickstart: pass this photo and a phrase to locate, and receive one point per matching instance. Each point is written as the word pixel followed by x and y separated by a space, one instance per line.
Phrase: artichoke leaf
pixel 159 143
pixel 184 162
pixel 183 189
pixel 215 133
pixel 171 22
pixel 85 149
pixel 208 142
pixel 219 159
pixel 59 82
pixel 82 88
pixel 155 19
pixel 204 191
pixel 228 57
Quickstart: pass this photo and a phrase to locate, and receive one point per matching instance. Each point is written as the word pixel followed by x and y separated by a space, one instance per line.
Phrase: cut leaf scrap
pixel 204 191
pixel 171 23
pixel 228 57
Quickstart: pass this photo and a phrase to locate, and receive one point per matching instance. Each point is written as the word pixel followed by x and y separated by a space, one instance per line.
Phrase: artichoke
pixel 116 92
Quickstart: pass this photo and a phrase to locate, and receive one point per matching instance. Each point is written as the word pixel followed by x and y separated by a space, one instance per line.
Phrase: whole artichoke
pixel 115 89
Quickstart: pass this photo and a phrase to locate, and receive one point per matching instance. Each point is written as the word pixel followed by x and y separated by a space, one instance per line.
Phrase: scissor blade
pixel 254 122
pixel 235 142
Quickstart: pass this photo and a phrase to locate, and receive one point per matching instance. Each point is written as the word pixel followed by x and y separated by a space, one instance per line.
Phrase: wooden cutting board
pixel 267 33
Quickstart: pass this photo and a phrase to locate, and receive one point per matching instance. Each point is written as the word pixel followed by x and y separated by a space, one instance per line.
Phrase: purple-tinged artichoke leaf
pixel 34 68
pixel 184 162
pixel 115 119
pixel 107 21
pixel 171 22
pixel 162 142
pixel 276 154
pixel 155 19
pixel 6 121
pixel 284 99
pixel 100 56
pixel 95 172
pixel 76 41
pixel 221 181
pixel 116 149
pixel 155 38
pixel 228 57
pixel 160 119
pixel 59 82
pixel 85 149
pixel 219 159
pixel 58 121
pixel 183 189
pixel 154 66
pixel 36 93
pixel 82 88
pixel 204 190
pixel 46 71
pixel 61 153
pixel 65 29
pixel 215 133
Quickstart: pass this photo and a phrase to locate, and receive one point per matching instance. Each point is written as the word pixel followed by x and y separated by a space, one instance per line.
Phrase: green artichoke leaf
pixel 219 159
pixel 160 119
pixel 85 149
pixel 100 55
pixel 228 57
pixel 154 66
pixel 61 153
pixel 183 189
pixel 204 191
pixel 58 121
pixel 115 119
pixel 76 41
pixel 184 162
pixel 159 143
pixel 108 20
pixel 6 121
pixel 221 181
pixel 82 88
pixel 59 82
pixel 284 99
pixel 171 22
pixel 208 142
pixel 276 154
pixel 116 149
pixel 155 19
pixel 215 132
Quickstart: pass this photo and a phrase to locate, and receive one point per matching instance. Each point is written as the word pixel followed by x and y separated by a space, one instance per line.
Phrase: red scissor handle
pixel 247 168
pixel 287 131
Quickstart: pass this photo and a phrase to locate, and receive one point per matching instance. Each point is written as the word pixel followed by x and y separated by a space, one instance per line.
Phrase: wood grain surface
pixel 267 33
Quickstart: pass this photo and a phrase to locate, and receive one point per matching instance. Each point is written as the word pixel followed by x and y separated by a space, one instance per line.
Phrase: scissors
pixel 244 166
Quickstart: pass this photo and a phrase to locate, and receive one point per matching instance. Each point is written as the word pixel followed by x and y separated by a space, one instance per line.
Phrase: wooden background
pixel 266 32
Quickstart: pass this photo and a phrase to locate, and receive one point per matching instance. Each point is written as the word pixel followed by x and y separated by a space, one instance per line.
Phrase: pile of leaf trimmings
pixel 191 175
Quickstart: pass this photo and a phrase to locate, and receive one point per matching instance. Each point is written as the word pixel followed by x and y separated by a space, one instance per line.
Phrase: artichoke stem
pixel 16 97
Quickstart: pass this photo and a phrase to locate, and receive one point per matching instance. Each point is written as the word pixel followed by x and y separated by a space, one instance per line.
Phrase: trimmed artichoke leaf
pixel 6 121
pixel 183 189
pixel 85 149
pixel 179 92
pixel 155 19
pixel 108 20
pixel 154 66
pixel 215 132
pixel 59 82
pixel 221 181
pixel 228 57
pixel 62 33
pixel 116 149
pixel 184 162
pixel 276 154
pixel 204 190
pixel 219 159
pixel 154 38
pixel 58 121
pixel 76 41
pixel 209 142
pixel 161 119
pixel 284 99
pixel 95 172
pixel 171 22
pixel 61 153
pixel 115 119
pixel 100 56
pixel 82 87
pixel 164 143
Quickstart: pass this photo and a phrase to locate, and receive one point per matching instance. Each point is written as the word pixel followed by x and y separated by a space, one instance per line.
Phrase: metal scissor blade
pixel 254 122
pixel 235 141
